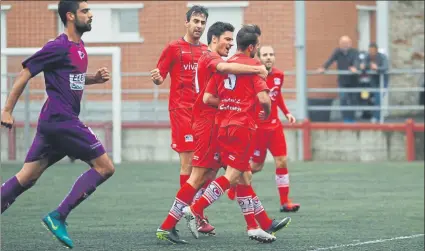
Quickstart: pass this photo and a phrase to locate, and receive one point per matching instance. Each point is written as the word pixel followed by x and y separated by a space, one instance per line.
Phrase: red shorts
pixel 273 140
pixel 206 153
pixel 236 145
pixel 181 130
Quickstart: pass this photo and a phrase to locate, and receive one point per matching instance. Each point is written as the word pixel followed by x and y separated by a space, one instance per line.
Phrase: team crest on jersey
pixel 81 54
pixel 216 156
pixel 188 138
pixel 277 81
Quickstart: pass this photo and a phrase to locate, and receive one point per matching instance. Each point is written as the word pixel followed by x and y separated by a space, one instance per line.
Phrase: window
pixel 112 23
pixel 4 9
pixel 364 14
pixel 230 12
pixel 4 78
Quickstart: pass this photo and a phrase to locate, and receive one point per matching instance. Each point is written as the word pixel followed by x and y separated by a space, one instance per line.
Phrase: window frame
pixel 115 36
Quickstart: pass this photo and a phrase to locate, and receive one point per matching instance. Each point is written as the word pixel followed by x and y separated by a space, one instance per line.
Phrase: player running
pixel 180 59
pixel 60 132
pixel 270 133
pixel 235 96
pixel 205 161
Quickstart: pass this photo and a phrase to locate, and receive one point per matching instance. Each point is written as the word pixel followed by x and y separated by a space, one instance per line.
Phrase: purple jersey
pixel 64 64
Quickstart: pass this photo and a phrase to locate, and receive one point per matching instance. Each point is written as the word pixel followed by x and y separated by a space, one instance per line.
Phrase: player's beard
pixel 268 65
pixel 196 35
pixel 82 27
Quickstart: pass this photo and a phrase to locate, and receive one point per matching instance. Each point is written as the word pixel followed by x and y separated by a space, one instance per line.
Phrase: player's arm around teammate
pixel 205 164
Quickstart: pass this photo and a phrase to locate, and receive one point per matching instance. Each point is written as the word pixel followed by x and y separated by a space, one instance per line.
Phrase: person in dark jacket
pixel 378 62
pixel 345 57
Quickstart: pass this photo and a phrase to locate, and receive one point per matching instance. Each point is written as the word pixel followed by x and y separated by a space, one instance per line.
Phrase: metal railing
pixel 382 90
pixel 156 92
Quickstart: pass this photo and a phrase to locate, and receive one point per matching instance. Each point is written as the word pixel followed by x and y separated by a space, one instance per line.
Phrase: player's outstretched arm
pixel 101 76
pixel 235 68
pixel 17 89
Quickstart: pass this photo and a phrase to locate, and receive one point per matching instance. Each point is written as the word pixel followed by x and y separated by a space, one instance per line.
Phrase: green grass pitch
pixel 344 206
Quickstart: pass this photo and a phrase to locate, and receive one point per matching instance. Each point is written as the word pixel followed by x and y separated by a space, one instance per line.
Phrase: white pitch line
pixel 368 242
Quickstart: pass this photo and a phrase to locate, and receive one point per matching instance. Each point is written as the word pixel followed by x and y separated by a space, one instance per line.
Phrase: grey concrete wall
pixel 406 49
pixel 154 145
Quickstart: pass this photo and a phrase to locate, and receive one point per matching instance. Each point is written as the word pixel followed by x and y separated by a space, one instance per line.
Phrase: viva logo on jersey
pixel 190 66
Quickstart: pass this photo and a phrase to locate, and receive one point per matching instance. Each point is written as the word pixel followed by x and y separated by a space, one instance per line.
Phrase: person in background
pixel 376 61
pixel 345 57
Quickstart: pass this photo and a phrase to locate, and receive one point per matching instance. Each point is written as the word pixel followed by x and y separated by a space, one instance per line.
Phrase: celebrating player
pixel 220 40
pixel 236 100
pixel 270 131
pixel 60 132
pixel 180 59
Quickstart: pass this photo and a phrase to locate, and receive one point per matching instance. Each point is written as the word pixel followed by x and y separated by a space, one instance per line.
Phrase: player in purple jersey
pixel 60 133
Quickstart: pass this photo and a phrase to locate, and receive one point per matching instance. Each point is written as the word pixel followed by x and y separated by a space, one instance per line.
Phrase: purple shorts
pixel 55 140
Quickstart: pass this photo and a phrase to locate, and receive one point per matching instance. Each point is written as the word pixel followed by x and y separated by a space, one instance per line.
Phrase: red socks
pixel 183 179
pixel 282 183
pixel 211 194
pixel 259 211
pixel 183 198
pixel 244 198
pixel 199 195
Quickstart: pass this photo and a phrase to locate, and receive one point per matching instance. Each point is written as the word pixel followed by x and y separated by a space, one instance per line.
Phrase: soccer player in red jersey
pixel 180 59
pixel 205 162
pixel 270 133
pixel 236 96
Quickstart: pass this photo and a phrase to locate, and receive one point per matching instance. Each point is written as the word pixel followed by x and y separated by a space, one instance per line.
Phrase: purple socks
pixel 84 186
pixel 10 190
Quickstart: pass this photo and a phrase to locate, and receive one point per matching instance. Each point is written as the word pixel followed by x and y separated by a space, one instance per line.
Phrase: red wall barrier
pixel 409 127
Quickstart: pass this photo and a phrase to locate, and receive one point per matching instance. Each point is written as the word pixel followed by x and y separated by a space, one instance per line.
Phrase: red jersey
pixel 275 81
pixel 238 94
pixel 180 59
pixel 207 66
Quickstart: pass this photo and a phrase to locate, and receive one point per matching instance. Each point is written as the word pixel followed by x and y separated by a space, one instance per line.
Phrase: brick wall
pixel 31 24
